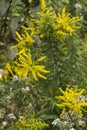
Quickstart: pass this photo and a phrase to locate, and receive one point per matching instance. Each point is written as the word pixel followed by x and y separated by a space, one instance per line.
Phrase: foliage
pixel 49 40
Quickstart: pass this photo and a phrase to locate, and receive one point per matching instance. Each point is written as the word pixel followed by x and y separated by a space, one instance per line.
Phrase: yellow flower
pixel 24 66
pixel 66 24
pixel 64 49
pixel 31 124
pixel 41 58
pixel 8 70
pixel 69 101
pixel 46 24
pixel 50 25
pixel 25 39
pixel 43 5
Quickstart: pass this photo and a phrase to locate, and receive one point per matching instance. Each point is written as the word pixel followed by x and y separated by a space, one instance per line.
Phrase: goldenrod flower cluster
pixel 27 67
pixel 46 24
pixel 8 70
pixel 52 25
pixel 24 66
pixel 26 39
pixel 31 124
pixel 65 24
pixel 70 101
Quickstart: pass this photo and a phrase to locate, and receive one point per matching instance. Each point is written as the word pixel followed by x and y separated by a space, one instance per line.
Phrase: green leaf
pixel 14 24
pixel 47 117
pixel 4 4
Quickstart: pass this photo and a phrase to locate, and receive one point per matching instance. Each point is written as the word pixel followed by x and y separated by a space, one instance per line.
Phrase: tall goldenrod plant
pixel 24 66
pixel 60 51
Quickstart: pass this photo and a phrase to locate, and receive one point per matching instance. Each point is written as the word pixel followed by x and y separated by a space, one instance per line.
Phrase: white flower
pixel 78 6
pixel 83 98
pixel 4 123
pixel 15 78
pixel 20 118
pixel 56 121
pixel 30 105
pixel 11 116
pixel 0 75
pixel 23 89
pixel 81 123
pixel 27 88
pixel 2 72
pixel 71 129
pixel 65 123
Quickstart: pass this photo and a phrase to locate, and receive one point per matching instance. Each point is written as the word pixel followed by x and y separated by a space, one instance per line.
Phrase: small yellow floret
pixel 43 5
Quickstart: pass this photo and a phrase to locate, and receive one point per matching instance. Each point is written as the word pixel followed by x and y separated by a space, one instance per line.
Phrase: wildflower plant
pixel 31 124
pixel 24 67
pixel 73 108
pixel 57 58
pixel 66 25
pixel 70 101
pixel 45 24
pixel 51 28
pixel 67 121
pixel 52 25
pixel 26 39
